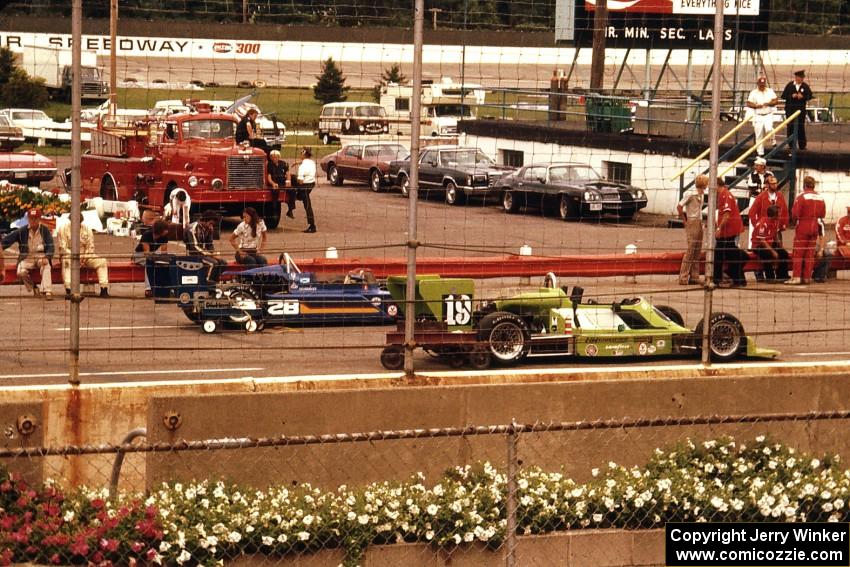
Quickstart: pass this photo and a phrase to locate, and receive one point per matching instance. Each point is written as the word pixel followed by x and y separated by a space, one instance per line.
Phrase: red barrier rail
pixel 467 266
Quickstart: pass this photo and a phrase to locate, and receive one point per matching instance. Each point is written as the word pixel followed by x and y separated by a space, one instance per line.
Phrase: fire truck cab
pixel 195 152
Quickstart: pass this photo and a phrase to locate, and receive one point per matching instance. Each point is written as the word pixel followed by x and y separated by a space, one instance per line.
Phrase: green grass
pixel 296 107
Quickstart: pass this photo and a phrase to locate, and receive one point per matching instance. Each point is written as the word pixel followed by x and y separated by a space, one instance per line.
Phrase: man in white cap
pixel 762 103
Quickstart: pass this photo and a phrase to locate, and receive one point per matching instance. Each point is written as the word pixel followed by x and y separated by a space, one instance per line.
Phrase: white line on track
pixel 132 327
pixel 135 372
pixel 819 354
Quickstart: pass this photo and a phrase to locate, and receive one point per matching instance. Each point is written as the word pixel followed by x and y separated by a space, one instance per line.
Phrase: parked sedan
pixel 28 168
pixel 457 172
pixel 367 163
pixel 10 136
pixel 575 190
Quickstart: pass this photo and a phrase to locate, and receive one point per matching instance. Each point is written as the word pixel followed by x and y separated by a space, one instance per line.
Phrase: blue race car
pixel 284 295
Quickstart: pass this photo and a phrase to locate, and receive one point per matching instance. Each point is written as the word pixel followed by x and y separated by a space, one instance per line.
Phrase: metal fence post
pixel 510 536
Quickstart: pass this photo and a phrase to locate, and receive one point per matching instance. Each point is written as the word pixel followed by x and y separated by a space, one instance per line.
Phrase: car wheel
pixel 107 189
pixel 404 185
pixel 510 201
pixel 209 326
pixel 392 357
pixel 375 181
pixel 672 314
pixel 454 196
pixel 251 326
pixel 326 139
pixel 568 208
pixel 479 358
pixel 271 216
pixel 334 176
pixel 726 337
pixel 506 336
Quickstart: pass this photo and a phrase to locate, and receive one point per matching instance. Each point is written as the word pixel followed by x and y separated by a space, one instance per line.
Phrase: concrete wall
pixel 583 548
pixel 331 464
pixel 103 413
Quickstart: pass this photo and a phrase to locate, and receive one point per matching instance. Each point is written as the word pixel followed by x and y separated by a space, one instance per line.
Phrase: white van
pixel 352 118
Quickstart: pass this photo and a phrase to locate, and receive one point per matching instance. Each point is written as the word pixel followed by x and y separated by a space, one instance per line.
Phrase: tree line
pixel 813 17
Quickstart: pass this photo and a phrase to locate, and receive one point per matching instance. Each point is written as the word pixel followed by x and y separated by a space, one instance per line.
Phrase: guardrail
pixel 604 265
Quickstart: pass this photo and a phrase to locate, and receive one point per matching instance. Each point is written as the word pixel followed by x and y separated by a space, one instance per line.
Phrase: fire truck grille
pixel 245 173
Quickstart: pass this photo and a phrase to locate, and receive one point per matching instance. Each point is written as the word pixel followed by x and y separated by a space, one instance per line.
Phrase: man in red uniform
pixel 770 196
pixel 809 209
pixel 758 209
pixel 729 226
pixel 842 234
pixel 774 258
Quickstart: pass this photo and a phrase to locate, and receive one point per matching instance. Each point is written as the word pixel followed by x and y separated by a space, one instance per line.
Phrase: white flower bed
pixel 715 481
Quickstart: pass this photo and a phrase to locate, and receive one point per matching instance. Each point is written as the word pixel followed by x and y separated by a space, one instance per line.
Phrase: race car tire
pixel 326 138
pixel 510 202
pixel 568 209
pixel 479 358
pixel 334 177
pixel 726 339
pixel 456 360
pixel 506 336
pixel 672 314
pixel 392 357
pixel 209 326
pixel 375 181
pixel 251 326
pixel 454 195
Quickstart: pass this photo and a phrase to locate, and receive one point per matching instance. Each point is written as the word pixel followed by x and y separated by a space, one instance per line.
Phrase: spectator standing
pixel 727 255
pixel 276 171
pixel 796 94
pixel 153 241
pixel 35 252
pixel 88 258
pixel 200 243
pixel 765 243
pixel 808 212
pixel 249 239
pixel 762 102
pixel 689 209
pixel 177 208
pixel 306 178
pixel 756 179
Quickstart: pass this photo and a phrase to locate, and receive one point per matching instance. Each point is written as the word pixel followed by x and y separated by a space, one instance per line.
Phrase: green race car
pixel 552 321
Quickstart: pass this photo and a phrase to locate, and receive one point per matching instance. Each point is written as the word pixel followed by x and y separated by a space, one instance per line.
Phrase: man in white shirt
pixel 306 178
pixel 178 207
pixel 689 210
pixel 762 103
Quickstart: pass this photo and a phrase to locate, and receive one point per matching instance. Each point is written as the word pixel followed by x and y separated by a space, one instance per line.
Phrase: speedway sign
pixel 671 24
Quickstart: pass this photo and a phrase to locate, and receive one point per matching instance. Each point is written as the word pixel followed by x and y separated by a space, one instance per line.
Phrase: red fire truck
pixel 195 152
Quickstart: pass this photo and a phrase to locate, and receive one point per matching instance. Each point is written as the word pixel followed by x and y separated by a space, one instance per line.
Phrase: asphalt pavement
pixel 127 337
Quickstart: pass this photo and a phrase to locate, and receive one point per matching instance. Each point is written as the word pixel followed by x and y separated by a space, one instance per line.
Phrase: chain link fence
pixel 574 493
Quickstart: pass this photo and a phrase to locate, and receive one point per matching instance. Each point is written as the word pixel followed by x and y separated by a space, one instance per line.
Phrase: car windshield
pixel 573 173
pixel 452 110
pixel 209 129
pixel 4 121
pixel 385 151
pixel 29 115
pixel 371 111
pixel 453 158
pixel 90 73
